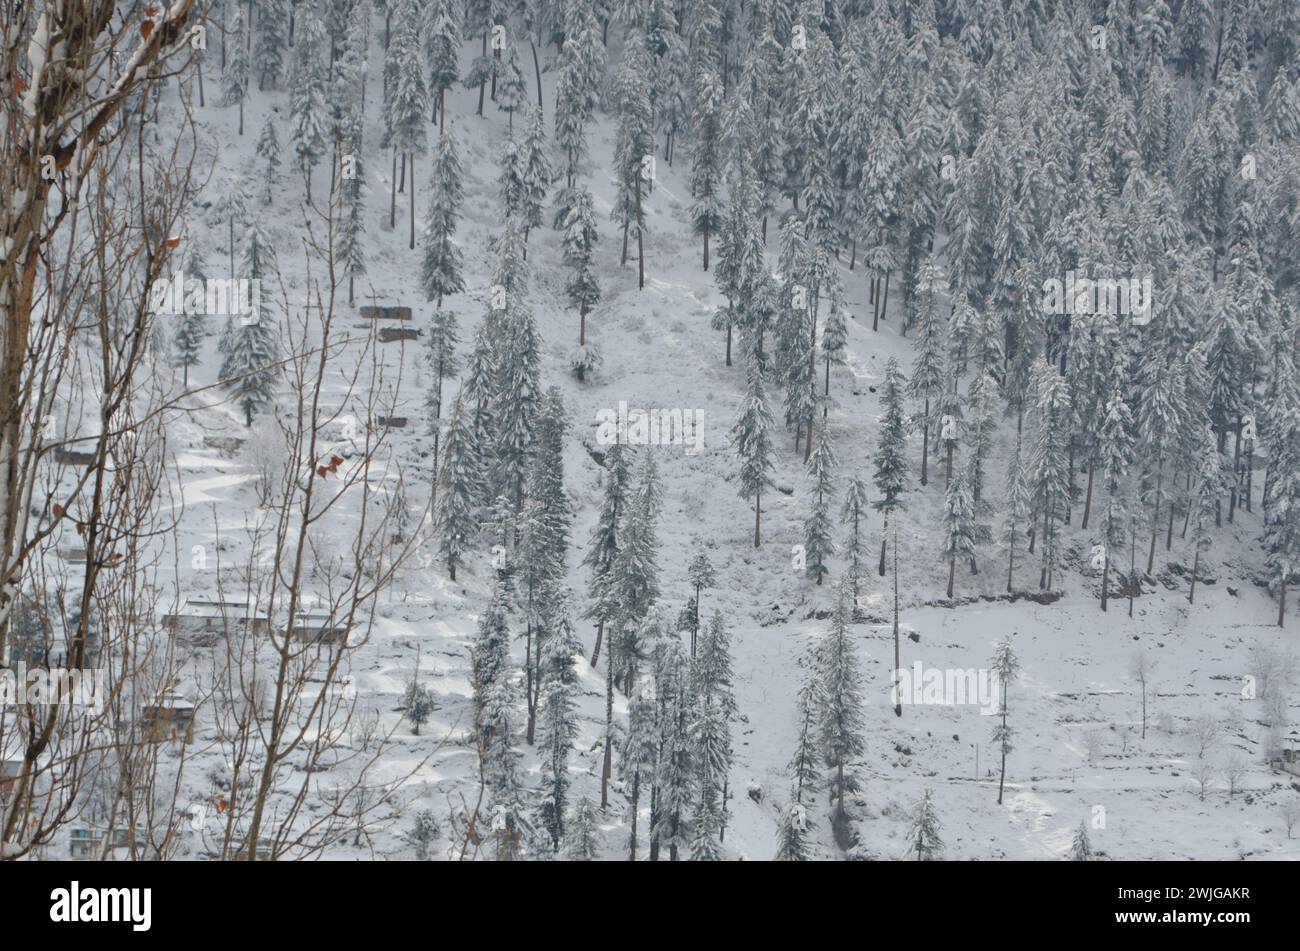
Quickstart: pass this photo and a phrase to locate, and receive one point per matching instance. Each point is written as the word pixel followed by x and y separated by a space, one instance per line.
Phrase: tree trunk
pixel 1087 502
pixel 606 768
pixel 600 633
pixel 1105 578
pixel 758 506
pixel 952 573
pixel 392 201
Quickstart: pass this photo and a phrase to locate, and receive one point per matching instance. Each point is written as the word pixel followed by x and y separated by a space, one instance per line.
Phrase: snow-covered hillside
pixel 1154 729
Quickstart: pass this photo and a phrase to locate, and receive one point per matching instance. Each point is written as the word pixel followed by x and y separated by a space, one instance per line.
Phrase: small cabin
pixel 226 444
pixel 169 718
pixel 204 620
pixel 74 554
pixel 391 422
pixel 89 843
pixel 317 627
pixel 264 853
pixel 70 457
pixel 1288 758
pixel 370 312
pixel 393 334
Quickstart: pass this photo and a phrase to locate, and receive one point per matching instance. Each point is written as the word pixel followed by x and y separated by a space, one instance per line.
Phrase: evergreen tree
pixel 1081 848
pixel 583 289
pixel 268 150
pixel 890 474
pixel 582 840
pixel 923 840
pixel 634 144
pixel 442 49
pixel 792 842
pixel 602 549
pixel 441 356
pixel 308 112
pixel 853 514
pixel 458 487
pixel 187 343
pixel 701 575
pixel 440 273
pixel 706 162
pixel 534 174
pixel 958 524
pixel 558 716
pixel 715 712
pixel 249 368
pixel 272 41
pixel 234 79
pixel 675 772
pixel 1005 668
pixel 1049 463
pixel 752 437
pixel 927 380
pixel 409 96
pixel 818 543
pixel 840 701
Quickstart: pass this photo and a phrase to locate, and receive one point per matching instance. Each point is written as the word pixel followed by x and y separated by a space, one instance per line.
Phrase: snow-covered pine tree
pixel 440 271
pixel 834 344
pixel 583 288
pixel 1005 669
pixel 544 551
pixel 602 549
pixel 512 88
pixel 840 720
pixel 819 543
pixel 235 78
pixel 250 367
pixel 924 841
pixel 518 392
pixel 442 52
pixel 1080 847
pixel 268 150
pixel 495 693
pixel 1049 462
pixel 853 513
pixel 675 772
pixel 1281 539
pixel 634 144
pixel 752 437
pixel 715 713
pixel 577 91
pixel 701 574
pixel 740 265
pixel 959 530
pixel 582 840
pixel 927 380
pixel 1212 480
pixel 409 99
pixel 706 158
pixel 638 757
pixel 272 41
pixel 534 167
pixel 805 769
pixel 308 109
pixel 558 647
pixel 1115 450
pixel 791 835
pixel 455 518
pixel 187 342
pixel 889 459
pixel 440 353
